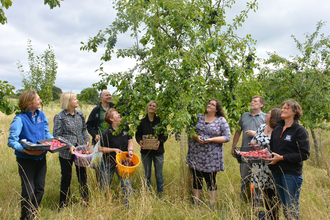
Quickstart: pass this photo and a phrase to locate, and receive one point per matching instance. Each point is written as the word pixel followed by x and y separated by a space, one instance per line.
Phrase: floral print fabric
pixel 260 138
pixel 261 174
pixel 208 157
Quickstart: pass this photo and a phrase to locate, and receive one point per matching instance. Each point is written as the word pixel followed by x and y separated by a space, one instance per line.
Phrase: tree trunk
pixel 316 145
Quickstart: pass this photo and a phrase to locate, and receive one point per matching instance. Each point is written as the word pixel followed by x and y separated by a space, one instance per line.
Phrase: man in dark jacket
pixel 95 122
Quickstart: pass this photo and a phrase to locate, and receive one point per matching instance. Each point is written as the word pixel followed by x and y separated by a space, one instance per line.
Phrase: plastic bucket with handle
pixel 124 171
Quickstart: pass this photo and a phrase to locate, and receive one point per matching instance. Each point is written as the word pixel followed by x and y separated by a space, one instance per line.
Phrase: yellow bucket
pixel 124 171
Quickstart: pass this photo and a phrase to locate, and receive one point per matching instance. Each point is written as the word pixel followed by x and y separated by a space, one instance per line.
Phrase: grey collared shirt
pixel 250 122
pixel 71 129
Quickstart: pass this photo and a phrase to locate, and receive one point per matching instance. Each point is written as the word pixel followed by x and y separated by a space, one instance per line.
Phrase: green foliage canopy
pixel 89 96
pixel 5 91
pixel 304 78
pixel 186 54
pixel 56 93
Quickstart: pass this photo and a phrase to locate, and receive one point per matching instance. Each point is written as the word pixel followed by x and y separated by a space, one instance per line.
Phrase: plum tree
pixel 305 78
pixel 186 54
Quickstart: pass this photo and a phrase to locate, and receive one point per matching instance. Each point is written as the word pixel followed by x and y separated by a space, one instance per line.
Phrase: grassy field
pixel 176 202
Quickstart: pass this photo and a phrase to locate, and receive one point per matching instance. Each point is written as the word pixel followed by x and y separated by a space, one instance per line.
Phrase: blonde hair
pixel 66 99
pixel 26 99
pixel 149 103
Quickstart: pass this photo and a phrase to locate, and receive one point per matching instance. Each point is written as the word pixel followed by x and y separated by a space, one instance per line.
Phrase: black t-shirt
pixel 111 141
pixel 148 127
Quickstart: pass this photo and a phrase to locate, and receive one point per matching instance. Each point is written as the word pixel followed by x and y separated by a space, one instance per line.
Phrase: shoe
pixel 196 202
pixel 262 215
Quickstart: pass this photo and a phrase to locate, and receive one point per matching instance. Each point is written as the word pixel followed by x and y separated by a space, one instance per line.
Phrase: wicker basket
pixel 150 144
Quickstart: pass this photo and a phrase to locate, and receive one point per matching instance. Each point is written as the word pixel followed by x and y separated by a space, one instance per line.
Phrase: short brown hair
pixel 262 100
pixel 66 99
pixel 149 103
pixel 109 114
pixel 26 99
pixel 296 108
pixel 275 116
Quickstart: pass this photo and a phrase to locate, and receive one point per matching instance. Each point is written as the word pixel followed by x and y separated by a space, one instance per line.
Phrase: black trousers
pixel 33 175
pixel 210 179
pixel 66 171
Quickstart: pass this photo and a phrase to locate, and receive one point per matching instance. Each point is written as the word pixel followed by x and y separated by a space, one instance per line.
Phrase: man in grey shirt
pixel 249 123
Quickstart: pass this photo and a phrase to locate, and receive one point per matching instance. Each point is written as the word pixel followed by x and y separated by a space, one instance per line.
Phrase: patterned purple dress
pixel 208 157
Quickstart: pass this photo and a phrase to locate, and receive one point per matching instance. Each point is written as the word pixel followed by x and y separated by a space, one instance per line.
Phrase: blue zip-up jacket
pixel 24 126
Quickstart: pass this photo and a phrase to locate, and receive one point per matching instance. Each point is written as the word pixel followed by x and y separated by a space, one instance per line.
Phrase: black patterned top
pixel 260 138
pixel 260 172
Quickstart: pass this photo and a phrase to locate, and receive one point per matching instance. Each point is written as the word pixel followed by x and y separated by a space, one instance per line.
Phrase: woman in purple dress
pixel 205 153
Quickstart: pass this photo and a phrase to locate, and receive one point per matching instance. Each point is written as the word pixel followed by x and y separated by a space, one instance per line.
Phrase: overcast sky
pixel 77 20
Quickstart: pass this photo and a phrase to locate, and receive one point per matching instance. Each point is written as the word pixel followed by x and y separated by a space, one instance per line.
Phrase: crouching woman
pixel 110 145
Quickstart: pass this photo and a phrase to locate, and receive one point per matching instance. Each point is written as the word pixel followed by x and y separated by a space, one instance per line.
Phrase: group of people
pixel 280 180
pixel 69 126
pixel 278 130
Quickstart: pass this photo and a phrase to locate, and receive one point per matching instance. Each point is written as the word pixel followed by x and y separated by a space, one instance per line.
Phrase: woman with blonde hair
pixel 147 126
pixel 31 124
pixel 69 125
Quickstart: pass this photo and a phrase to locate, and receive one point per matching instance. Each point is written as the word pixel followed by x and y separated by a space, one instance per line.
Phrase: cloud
pixel 75 21
pixel 276 20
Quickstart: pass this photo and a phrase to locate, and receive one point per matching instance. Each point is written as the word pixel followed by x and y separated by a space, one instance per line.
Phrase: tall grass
pixel 176 202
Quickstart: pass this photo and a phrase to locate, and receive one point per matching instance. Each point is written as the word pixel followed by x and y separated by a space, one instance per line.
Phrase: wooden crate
pixel 150 144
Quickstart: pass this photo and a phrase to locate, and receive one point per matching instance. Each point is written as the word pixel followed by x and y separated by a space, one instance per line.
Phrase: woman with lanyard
pixel 31 124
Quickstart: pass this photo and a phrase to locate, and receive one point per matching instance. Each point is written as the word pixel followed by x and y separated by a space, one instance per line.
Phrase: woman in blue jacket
pixel 31 124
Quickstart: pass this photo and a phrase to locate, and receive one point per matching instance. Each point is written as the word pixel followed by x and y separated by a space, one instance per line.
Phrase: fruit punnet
pixel 256 154
pixel 150 136
pixel 55 144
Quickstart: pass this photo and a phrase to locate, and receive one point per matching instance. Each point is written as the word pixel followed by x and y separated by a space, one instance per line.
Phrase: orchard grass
pixel 176 202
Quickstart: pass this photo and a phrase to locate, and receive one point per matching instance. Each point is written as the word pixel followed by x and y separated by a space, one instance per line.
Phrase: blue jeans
pixel 158 164
pixel 106 174
pixel 288 189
